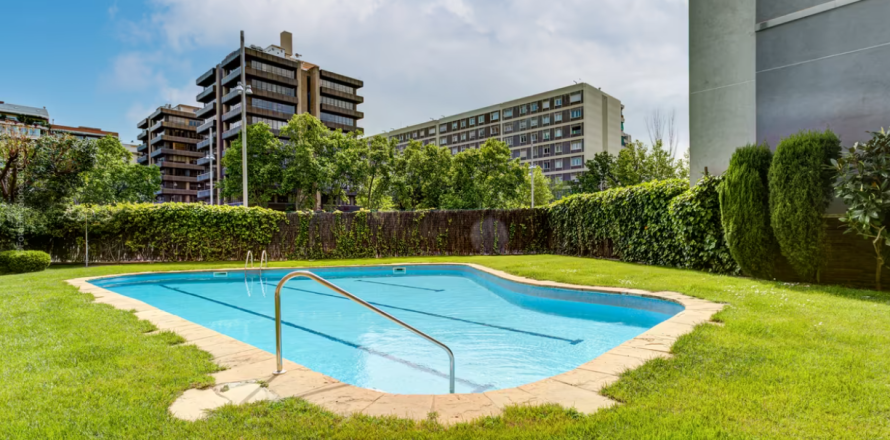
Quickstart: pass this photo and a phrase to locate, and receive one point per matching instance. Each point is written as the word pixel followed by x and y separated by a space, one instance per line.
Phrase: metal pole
pixel 211 161
pixel 531 172
pixel 86 233
pixel 329 285
pixel 243 123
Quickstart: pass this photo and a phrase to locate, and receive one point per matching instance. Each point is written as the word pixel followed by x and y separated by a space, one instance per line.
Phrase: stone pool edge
pixel 248 377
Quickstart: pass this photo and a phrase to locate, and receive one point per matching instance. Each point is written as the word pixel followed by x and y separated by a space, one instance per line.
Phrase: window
pixel 534 122
pixel 546 120
pixel 463 124
pixel 523 138
pixel 576 130
pixel 463 136
pixel 557 102
pixel 576 113
pixel 481 132
pixel 274 106
pixel 443 140
pixel 454 150
pixel 454 138
pixel 472 122
pixel 337 103
pixel 432 131
pixel 494 116
pixel 508 128
pixel 337 119
pixel 494 130
pixel 508 113
pixel 272 123
pixel 534 106
pixel 523 153
pixel 575 98
pixel 472 135
pixel 577 162
pixel 508 141
pixel 522 125
pixel 557 117
pixel 534 137
pixel 547 135
pixel 454 125
pixel 523 110
pixel 546 104
pixel 443 128
pixel 480 119
pixel 557 164
pixel 414 135
pixel 576 146
pixel 558 133
pixel 337 87
pixel 546 150
pixel 275 88
pixel 557 149
pixel 545 165
pixel 258 65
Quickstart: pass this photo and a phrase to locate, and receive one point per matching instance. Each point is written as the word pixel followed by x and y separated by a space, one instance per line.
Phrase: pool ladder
pixel 264 258
pixel 352 297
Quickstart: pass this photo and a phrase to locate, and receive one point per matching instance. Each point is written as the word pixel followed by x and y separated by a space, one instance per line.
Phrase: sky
pixel 108 64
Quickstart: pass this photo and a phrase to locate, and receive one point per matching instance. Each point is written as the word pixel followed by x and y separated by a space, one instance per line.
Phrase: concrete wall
pixel 721 81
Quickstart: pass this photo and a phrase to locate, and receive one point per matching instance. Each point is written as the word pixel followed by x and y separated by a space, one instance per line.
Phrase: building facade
pixel 761 70
pixel 169 141
pixel 20 120
pixel 82 132
pixel 282 85
pixel 557 130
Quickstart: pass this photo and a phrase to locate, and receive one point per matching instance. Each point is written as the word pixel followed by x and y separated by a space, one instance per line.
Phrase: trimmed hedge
pixel 23 261
pixel 801 182
pixel 162 232
pixel 695 217
pixel 744 209
pixel 631 223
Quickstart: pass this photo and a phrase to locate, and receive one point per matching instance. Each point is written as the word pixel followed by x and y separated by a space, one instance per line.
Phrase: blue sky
pixel 108 64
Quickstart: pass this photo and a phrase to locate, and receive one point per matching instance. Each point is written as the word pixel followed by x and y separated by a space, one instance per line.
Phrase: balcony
pixel 142 135
pixel 203 144
pixel 171 151
pixel 344 127
pixel 142 148
pixel 232 79
pixel 169 138
pixel 203 177
pixel 176 192
pixel 209 93
pixel 157 126
pixel 233 95
pixel 232 114
pixel 231 133
pixel 204 194
pixel 142 160
pixel 170 178
pixel 142 124
pixel 208 110
pixel 342 111
pixel 206 78
pixel 203 161
pixel 180 165
pixel 342 95
pixel 207 125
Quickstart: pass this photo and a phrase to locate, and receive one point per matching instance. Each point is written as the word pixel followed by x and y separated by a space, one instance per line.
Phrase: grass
pixel 790 361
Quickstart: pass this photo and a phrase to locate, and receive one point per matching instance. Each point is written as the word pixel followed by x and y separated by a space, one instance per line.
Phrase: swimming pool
pixel 503 334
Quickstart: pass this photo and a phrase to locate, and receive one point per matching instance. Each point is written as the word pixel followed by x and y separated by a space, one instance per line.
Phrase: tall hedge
pixel 631 223
pixel 166 232
pixel 800 185
pixel 744 209
pixel 695 216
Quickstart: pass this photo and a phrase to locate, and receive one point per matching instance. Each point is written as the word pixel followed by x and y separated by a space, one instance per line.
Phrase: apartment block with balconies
pixel 557 130
pixel 169 141
pixel 281 85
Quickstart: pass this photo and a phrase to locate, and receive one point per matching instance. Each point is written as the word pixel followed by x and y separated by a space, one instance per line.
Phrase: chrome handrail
pixel 329 285
pixel 264 257
pixel 250 259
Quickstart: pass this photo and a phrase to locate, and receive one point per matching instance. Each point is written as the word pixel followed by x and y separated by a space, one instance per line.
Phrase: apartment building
pixel 281 85
pixel 557 130
pixel 34 122
pixel 169 141
pixel 82 132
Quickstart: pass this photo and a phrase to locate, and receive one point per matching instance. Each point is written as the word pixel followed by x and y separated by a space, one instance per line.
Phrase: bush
pixel 801 182
pixel 695 217
pixel 631 222
pixel 23 261
pixel 744 210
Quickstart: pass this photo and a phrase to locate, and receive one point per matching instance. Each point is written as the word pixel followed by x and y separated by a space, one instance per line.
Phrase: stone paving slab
pixel 249 374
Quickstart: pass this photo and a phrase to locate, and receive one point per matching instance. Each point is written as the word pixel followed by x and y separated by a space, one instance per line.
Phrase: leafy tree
pixel 543 193
pixel 600 174
pixel 486 178
pixel 378 162
pixel 115 179
pixel 632 165
pixel 421 176
pixel 264 166
pixel 800 187
pixel 864 185
pixel 305 170
pixel 45 171
pixel 345 156
pixel 660 165
pixel 744 209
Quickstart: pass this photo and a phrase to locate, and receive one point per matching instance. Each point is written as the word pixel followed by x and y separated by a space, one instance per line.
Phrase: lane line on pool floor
pixel 477 388
pixel 399 285
pixel 510 329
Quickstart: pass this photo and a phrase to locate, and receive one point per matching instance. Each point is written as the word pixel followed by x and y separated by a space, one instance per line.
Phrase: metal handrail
pixel 264 257
pixel 329 285
pixel 250 259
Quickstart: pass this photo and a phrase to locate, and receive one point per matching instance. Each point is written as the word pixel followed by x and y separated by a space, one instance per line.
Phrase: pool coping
pixel 249 378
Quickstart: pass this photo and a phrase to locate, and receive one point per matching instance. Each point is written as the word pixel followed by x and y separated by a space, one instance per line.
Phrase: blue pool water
pixel 503 334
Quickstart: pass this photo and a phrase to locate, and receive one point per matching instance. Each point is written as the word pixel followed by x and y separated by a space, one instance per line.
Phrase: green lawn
pixel 789 362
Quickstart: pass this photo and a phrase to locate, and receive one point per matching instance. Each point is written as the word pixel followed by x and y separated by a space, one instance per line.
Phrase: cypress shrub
pixel 23 261
pixel 744 210
pixel 695 215
pixel 800 187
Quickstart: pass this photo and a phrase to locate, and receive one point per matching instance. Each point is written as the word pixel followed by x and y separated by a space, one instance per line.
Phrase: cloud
pixel 426 58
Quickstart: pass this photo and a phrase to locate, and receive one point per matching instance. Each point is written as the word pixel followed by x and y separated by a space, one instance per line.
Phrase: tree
pixel 632 165
pixel 486 178
pixel 662 127
pixel 600 174
pixel 115 179
pixel 864 185
pixel 304 169
pixel 543 193
pixel 421 176
pixel 378 162
pixel 43 172
pixel 265 161
pixel 345 156
pixel 660 163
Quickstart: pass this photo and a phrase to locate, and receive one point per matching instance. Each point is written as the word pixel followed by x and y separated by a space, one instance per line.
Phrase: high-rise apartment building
pixel 169 141
pixel 281 85
pixel 557 130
